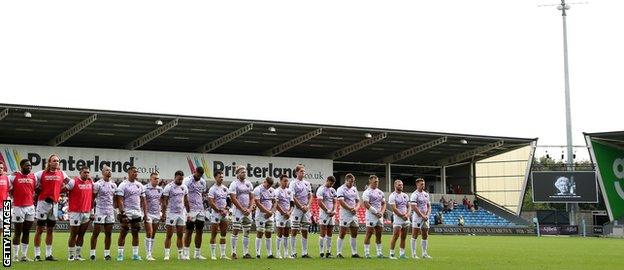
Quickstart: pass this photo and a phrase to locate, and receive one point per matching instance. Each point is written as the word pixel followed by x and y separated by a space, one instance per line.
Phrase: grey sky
pixel 484 67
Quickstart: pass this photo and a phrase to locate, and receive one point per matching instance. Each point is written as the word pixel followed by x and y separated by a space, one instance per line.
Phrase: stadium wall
pixel 502 178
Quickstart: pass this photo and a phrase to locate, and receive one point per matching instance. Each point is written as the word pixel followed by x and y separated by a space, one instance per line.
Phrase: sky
pixel 487 67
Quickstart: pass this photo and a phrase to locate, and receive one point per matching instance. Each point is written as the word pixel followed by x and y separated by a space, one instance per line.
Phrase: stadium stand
pixel 480 217
pixel 443 159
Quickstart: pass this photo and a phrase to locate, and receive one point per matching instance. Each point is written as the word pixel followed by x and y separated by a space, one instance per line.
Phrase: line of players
pixel 181 206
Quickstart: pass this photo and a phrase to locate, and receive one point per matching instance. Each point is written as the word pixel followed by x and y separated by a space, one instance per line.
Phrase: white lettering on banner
pixel 164 163
pixel 618 171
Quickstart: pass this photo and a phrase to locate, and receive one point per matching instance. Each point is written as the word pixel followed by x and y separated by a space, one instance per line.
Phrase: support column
pixel 443 178
pixel 389 180
pixel 472 177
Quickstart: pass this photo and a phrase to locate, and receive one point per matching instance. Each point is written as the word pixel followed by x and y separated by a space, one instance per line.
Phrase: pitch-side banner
pixel 610 161
pixel 559 230
pixel 64 226
pixel 564 186
pixel 163 163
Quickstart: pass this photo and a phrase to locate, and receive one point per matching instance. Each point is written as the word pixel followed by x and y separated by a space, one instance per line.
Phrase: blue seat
pixel 480 217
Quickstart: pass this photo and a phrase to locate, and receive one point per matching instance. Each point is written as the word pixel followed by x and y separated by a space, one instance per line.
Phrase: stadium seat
pixel 480 217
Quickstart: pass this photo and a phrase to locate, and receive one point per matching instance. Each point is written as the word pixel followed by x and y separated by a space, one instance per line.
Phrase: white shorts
pixel 103 218
pixel 347 219
pixel 325 219
pixel 198 216
pixel 264 224
pixel 400 222
pixel 373 221
pixel 77 218
pixel 176 219
pixel 46 211
pixel 418 223
pixel 134 214
pixel 281 221
pixel 300 220
pixel 23 213
pixel 240 220
pixel 216 217
pixel 152 218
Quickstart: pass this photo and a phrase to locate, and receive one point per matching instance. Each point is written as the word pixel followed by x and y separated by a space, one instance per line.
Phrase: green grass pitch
pixel 448 252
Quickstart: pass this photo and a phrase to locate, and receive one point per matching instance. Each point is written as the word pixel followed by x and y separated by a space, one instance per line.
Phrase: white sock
pixel 106 252
pixel 180 253
pixel 304 246
pixel 293 243
pixel 321 244
pixel 233 242
pixel 402 252
pixel 353 246
pixel 366 249
pixel 16 251
pixel 278 243
pixel 423 243
pixel 213 250
pixel 24 249
pixel 222 247
pixel 285 242
pixel 71 251
pixel 379 250
pixel 328 243
pixel 78 250
pixel 413 245
pixel 269 248
pixel 258 246
pixel 391 252
pixel 147 246
pixel 185 251
pixel 339 246
pixel 135 250
pixel 92 252
pixel 48 251
pixel 167 252
pixel 245 244
pixel 37 251
pixel 120 251
pixel 197 252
